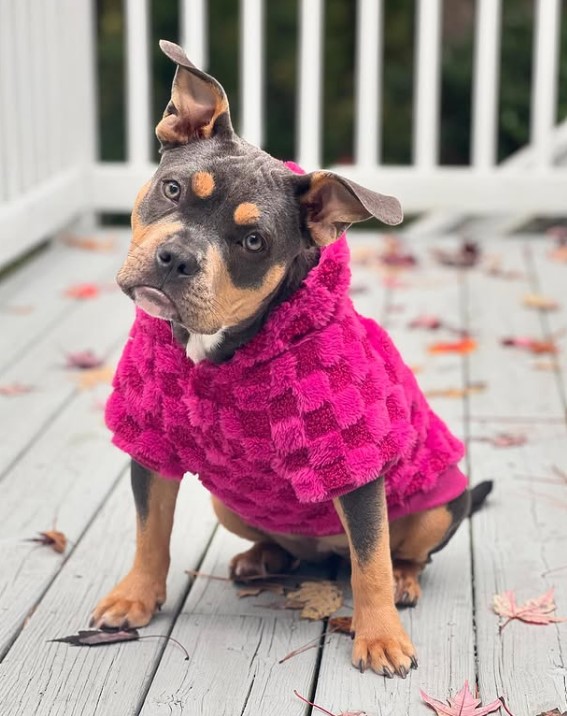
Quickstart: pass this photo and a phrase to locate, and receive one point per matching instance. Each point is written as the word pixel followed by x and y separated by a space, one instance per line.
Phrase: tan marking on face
pixel 246 214
pixel 140 196
pixel 232 304
pixel 203 184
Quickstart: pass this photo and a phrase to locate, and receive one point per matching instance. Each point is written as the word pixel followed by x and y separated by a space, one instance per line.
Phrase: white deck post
pixel 252 70
pixel 194 31
pixel 138 82
pixel 310 93
pixel 426 112
pixel 368 114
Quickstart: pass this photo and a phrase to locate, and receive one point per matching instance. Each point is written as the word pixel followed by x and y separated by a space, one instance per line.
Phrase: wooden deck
pixel 57 467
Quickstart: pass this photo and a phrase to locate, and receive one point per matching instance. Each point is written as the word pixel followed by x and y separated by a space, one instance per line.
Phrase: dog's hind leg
pixel 265 557
pixel 416 537
pixel 134 600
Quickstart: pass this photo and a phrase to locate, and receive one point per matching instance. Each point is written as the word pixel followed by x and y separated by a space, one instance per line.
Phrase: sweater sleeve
pixel 338 421
pixel 144 411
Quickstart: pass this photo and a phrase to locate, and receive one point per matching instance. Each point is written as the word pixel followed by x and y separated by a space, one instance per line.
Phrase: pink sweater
pixel 317 404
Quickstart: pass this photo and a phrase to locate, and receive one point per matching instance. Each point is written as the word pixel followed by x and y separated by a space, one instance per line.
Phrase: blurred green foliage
pixel 338 86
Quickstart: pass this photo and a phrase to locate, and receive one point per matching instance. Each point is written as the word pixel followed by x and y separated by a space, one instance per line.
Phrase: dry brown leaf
pixel 534 611
pixel 52 538
pixel 13 389
pixel 504 439
pixel 342 625
pixel 456 392
pixel 259 588
pixel 466 255
pixel 84 360
pixel 88 379
pixel 540 302
pixel 531 345
pixel 316 600
pixel 554 712
pixel 89 243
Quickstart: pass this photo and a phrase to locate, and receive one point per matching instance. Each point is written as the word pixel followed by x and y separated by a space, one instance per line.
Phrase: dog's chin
pixel 155 303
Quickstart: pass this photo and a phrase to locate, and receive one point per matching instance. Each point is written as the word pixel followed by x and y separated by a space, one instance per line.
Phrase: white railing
pixel 48 172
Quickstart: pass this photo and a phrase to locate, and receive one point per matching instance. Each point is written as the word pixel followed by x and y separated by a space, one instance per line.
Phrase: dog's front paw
pixel 384 647
pixel 131 604
pixel 406 584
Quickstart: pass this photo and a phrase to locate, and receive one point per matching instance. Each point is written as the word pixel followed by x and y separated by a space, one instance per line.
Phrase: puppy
pixel 248 366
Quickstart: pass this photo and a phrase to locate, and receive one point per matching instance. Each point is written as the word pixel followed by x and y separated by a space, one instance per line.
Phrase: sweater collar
pixel 317 302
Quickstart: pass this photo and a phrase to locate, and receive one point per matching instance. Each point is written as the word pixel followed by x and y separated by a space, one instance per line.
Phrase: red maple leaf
pixel 463 704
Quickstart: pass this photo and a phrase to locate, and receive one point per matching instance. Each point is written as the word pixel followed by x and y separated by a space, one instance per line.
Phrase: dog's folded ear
pixel 198 107
pixel 332 203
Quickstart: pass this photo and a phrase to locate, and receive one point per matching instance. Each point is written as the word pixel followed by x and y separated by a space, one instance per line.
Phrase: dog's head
pixel 221 223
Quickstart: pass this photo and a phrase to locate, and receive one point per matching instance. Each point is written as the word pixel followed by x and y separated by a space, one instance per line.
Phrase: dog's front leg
pixel 134 600
pixel 380 641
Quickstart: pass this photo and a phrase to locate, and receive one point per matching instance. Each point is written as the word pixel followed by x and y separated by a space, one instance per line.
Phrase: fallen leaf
pixel 83 360
pixel 97 637
pixel 555 712
pixel 259 588
pixel 90 378
pixel 531 345
pixel 342 625
pixel 540 302
pixel 504 439
pixel 494 268
pixel 463 704
pixel 396 255
pixel 89 243
pixel 429 323
pixel 464 346
pixel 466 256
pixel 52 538
pixel 325 711
pixel 12 389
pixel 316 600
pixel 82 291
pixel 100 637
pixel 545 365
pixel 534 611
pixel 456 392
pixel 17 310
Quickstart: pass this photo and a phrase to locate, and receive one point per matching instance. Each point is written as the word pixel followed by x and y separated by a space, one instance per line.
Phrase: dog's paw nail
pixel 387 673
pixel 405 597
pixel 403 672
pixel 91 622
pixel 361 666
pixel 352 634
pixel 413 662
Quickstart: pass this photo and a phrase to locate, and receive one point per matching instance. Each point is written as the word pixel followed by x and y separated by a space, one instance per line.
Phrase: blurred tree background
pixel 338 90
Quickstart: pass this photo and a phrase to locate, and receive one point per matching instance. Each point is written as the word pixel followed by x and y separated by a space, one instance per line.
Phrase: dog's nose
pixel 175 262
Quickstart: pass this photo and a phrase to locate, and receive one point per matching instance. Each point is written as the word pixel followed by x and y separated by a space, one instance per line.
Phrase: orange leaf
pixel 82 291
pixel 465 345
pixel 54 539
pixel 541 302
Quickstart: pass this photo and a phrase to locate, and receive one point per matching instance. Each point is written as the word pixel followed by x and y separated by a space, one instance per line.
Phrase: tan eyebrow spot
pixel 203 184
pixel 246 213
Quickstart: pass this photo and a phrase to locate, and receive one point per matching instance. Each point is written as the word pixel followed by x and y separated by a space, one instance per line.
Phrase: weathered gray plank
pixel 40 285
pixel 45 678
pixel 64 478
pixel 99 324
pixel 520 536
pixel 234 668
pixel 441 626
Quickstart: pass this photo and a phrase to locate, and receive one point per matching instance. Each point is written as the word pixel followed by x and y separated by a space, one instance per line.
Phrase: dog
pixel 248 365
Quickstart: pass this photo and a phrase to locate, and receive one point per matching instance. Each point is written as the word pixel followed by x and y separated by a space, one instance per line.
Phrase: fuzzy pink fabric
pixel 317 404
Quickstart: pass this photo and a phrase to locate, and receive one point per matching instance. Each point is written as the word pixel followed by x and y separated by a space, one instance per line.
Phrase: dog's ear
pixel 332 203
pixel 198 107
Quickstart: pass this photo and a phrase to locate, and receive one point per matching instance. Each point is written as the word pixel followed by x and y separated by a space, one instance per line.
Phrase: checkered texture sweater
pixel 317 404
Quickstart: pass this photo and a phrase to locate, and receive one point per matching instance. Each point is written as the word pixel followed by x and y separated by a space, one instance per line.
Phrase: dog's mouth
pixel 155 303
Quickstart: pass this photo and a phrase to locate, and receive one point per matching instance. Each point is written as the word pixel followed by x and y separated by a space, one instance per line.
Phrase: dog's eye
pixel 254 243
pixel 171 190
